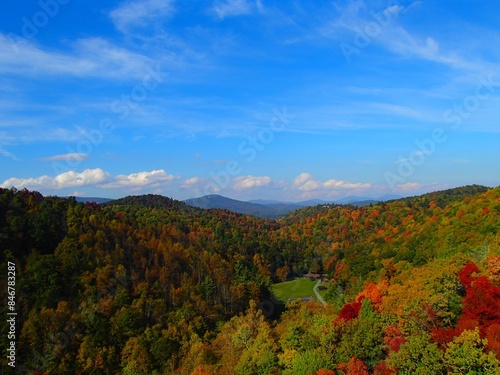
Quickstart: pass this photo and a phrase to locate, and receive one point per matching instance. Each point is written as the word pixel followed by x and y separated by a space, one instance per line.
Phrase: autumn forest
pixel 148 285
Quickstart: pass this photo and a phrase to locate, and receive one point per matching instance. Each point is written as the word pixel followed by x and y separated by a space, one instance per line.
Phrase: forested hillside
pixel 149 285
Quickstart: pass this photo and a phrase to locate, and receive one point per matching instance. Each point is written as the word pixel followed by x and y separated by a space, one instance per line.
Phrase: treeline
pixel 149 285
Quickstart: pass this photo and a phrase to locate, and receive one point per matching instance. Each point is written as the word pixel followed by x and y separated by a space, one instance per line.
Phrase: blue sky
pixel 249 99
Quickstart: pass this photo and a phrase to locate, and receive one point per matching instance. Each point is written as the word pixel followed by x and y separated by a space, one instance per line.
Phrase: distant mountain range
pixel 272 208
pixel 264 208
pixel 249 208
pixel 93 199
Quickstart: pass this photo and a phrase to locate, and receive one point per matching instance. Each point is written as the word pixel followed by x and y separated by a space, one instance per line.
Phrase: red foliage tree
pixel 393 338
pixel 353 367
pixel 465 274
pixel 382 369
pixel 443 336
pixel 482 302
pixel 480 308
pixel 349 311
pixel 493 336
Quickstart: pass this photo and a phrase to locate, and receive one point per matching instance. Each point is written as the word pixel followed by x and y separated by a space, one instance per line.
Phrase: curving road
pixel 317 294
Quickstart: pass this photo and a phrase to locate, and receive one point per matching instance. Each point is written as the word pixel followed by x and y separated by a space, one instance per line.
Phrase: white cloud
pixel 140 13
pixel 68 179
pixel 190 182
pixel 305 182
pixel 310 185
pixel 92 177
pixel 87 177
pixel 339 184
pixel 29 183
pixel 229 8
pixel 74 156
pixel 249 182
pixel 301 179
pixel 154 179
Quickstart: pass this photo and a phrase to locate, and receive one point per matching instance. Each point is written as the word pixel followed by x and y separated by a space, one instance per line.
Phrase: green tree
pixel 309 362
pixel 466 354
pixel 417 356
pixel 44 280
pixel 362 337
pixel 260 357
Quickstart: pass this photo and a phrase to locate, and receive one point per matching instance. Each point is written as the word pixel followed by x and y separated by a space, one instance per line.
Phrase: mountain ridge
pixel 273 209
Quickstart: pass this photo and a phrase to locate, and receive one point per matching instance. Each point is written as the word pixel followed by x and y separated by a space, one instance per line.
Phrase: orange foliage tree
pixel 200 371
pixel 374 293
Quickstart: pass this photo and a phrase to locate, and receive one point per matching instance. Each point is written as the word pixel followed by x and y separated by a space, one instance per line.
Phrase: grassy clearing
pixel 297 288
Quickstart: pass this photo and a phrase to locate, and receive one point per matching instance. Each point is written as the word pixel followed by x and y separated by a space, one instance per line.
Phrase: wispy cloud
pixel 36 134
pixel 416 187
pixel 231 8
pixel 359 24
pixel 401 42
pixel 395 110
pixel 352 16
pixel 74 156
pixel 91 57
pixel 8 154
pixel 140 13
